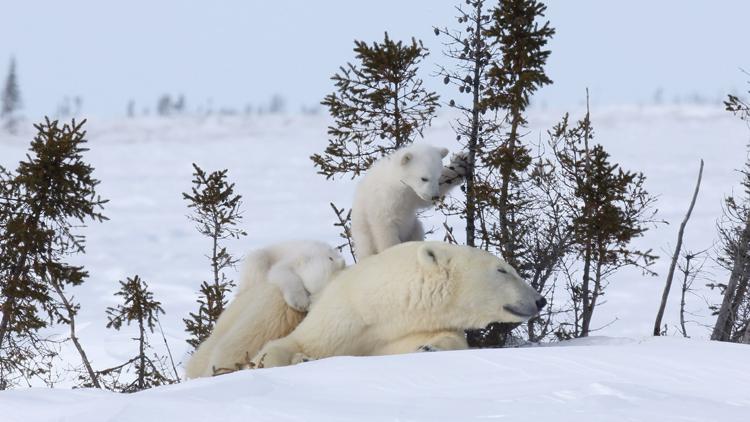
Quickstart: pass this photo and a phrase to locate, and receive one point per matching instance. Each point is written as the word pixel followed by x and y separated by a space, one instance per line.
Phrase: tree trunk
pixel 73 337
pixel 682 297
pixel 397 117
pixel 739 297
pixel 506 172
pixel 722 328
pixel 676 256
pixel 585 292
pixel 141 352
pixel 7 311
pixel 746 336
pixel 586 312
pixel 473 138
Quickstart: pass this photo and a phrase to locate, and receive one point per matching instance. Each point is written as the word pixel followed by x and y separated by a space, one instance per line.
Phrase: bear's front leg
pixel 417 233
pixel 276 353
pixel 448 340
pixel 424 342
pixel 300 358
pixel 385 234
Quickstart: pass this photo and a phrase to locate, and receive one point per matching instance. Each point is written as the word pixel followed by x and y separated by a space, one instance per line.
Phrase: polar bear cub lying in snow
pixel 277 286
pixel 414 296
pixel 384 212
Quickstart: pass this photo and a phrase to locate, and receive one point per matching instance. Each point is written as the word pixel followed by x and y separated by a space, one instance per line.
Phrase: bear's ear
pixel 405 159
pixel 431 256
pixel 444 152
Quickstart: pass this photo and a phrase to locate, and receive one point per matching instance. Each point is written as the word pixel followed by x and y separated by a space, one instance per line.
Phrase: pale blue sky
pixel 240 52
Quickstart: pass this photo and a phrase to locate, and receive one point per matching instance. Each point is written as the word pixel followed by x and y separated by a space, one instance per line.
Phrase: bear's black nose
pixel 435 198
pixel 541 303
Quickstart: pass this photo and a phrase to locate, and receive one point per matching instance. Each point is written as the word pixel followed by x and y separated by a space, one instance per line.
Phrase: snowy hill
pixel 600 379
pixel 145 164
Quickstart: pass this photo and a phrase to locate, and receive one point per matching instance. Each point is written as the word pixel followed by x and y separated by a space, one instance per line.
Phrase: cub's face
pixel 421 170
pixel 316 269
pixel 485 288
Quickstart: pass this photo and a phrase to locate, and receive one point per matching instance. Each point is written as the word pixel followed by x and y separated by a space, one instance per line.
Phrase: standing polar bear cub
pixel 413 296
pixel 278 283
pixel 384 212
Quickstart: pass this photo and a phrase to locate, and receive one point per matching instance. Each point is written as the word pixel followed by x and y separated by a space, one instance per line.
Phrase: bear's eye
pixel 424 179
pixel 502 271
pixel 330 259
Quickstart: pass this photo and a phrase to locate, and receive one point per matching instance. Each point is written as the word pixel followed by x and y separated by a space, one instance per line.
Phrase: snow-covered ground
pixel 145 164
pixel 600 379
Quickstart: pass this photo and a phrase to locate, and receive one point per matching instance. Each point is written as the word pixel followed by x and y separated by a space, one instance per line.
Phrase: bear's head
pixel 316 268
pixel 421 167
pixel 480 287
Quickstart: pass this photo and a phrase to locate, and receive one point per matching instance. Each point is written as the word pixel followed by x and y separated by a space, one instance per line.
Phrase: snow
pixel 144 165
pixel 600 379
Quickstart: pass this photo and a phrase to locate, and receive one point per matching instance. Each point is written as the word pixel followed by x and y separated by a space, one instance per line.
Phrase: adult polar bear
pixel 413 296
pixel 278 284
pixel 384 212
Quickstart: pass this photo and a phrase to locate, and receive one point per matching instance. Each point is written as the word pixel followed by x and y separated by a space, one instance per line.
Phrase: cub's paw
pixel 298 301
pixel 427 348
pixel 300 357
pixel 459 163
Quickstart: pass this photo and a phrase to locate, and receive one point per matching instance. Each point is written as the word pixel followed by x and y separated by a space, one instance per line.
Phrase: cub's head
pixel 317 267
pixel 483 288
pixel 421 166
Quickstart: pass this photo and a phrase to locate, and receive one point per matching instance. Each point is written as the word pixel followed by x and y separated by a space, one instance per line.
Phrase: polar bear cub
pixel 384 212
pixel 277 286
pixel 414 296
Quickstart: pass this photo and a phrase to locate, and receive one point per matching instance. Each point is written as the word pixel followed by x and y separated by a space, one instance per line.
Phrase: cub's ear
pixel 405 159
pixel 431 256
pixel 444 152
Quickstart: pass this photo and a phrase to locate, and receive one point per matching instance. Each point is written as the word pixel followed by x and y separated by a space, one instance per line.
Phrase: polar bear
pixel 384 212
pixel 416 296
pixel 278 283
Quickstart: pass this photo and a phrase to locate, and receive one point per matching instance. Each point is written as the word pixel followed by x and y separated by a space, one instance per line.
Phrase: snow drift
pixel 600 379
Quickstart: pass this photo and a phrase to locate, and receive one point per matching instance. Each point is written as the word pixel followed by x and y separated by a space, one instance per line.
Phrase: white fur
pixel 386 201
pixel 414 296
pixel 278 283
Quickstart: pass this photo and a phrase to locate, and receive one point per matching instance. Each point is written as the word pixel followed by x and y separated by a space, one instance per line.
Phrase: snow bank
pixel 600 379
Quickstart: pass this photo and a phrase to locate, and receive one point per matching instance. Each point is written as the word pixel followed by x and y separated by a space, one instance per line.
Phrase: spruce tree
pixel 139 307
pixel 216 215
pixel 471 51
pixel 513 79
pixel 379 105
pixel 609 207
pixel 733 315
pixel 499 55
pixel 52 193
pixel 10 101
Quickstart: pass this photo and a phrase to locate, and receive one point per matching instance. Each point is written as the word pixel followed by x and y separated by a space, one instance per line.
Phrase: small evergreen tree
pixel 130 111
pixel 512 80
pixel 51 193
pixel 500 55
pixel 733 315
pixel 216 215
pixel 738 106
pixel 164 106
pixel 11 99
pixel 379 106
pixel 139 307
pixel 610 207
pixel 471 51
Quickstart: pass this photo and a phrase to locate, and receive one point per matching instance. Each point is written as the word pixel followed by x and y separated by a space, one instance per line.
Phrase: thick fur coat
pixel 414 296
pixel 384 212
pixel 278 284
